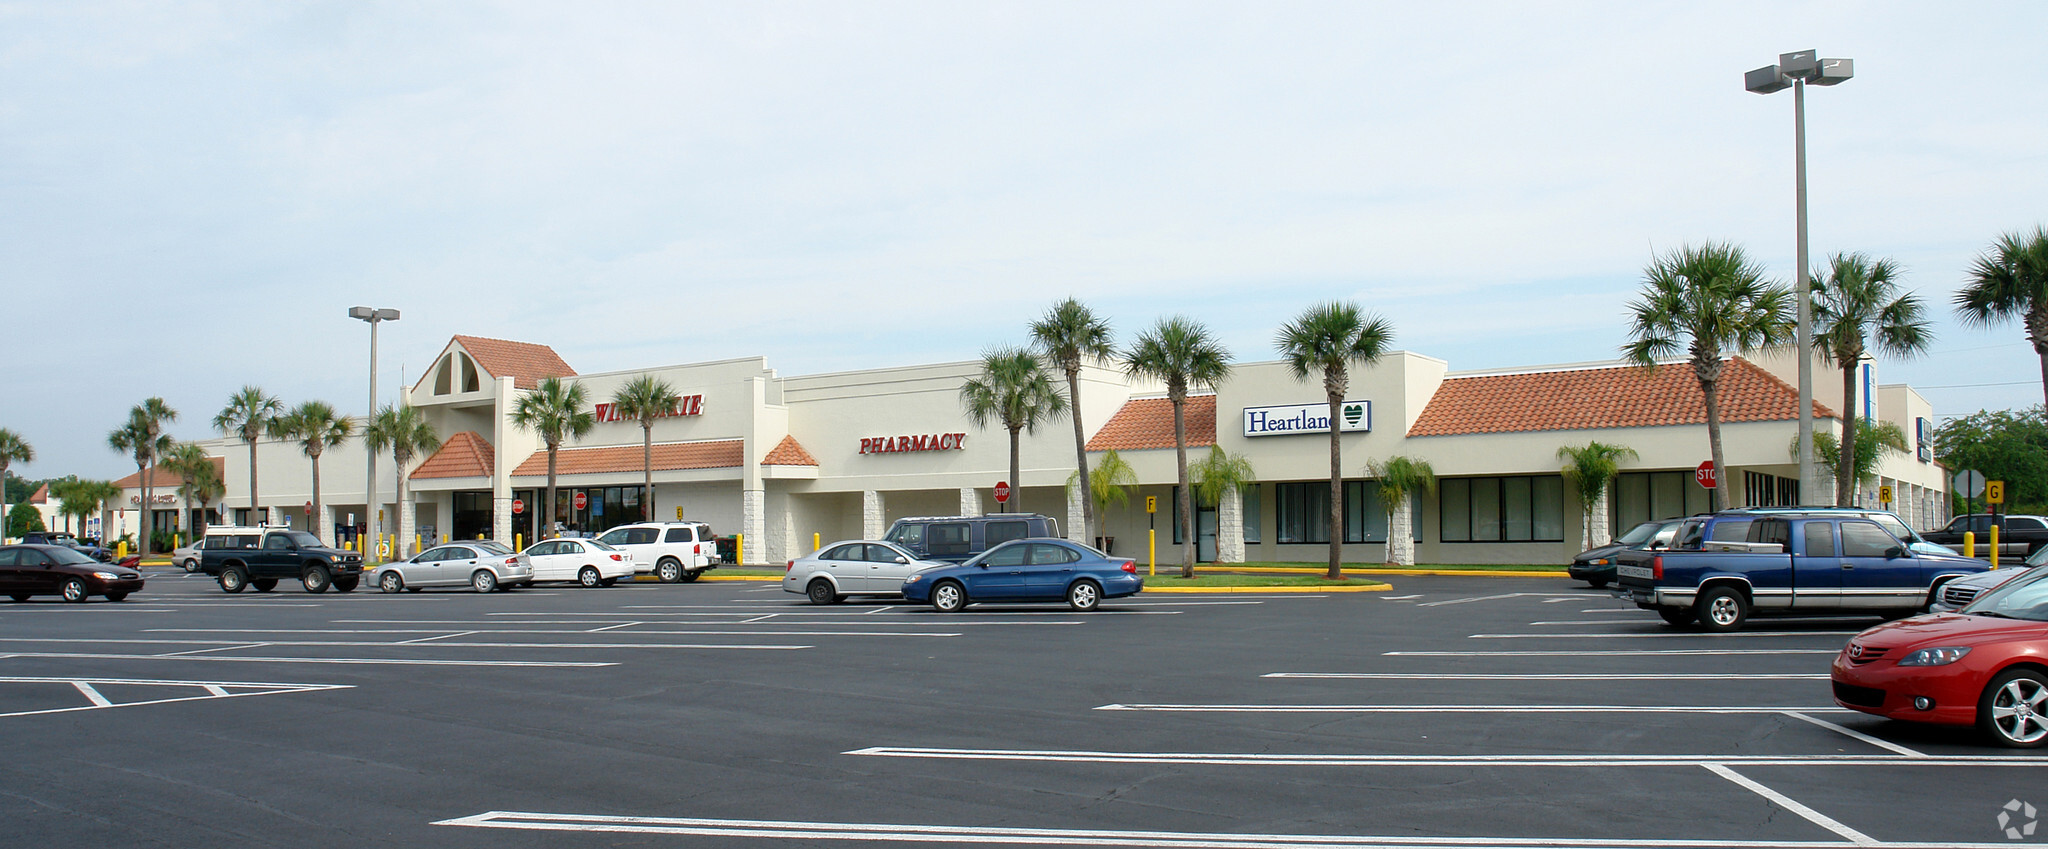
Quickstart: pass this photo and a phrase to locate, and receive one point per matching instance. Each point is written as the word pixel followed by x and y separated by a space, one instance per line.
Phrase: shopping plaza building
pixel 786 460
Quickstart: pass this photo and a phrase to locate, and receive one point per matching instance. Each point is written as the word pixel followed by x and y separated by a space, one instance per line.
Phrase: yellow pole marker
pixel 1994 546
pixel 1969 543
pixel 815 543
pixel 519 542
pixel 121 551
pixel 739 548
pixel 1152 552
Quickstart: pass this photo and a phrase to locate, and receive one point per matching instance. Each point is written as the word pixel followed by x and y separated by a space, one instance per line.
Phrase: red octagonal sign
pixel 1002 492
pixel 582 501
pixel 518 506
pixel 1705 474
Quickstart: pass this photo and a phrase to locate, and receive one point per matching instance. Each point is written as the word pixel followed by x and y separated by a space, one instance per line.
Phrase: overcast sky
pixel 192 195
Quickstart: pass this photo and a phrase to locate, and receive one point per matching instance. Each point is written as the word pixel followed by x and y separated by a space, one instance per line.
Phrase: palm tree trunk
pixel 1181 499
pixel 141 477
pixel 319 511
pixel 255 509
pixel 1016 486
pixel 399 550
pixel 1088 531
pixel 549 529
pixel 1845 465
pixel 1711 392
pixel 1337 496
pixel 647 465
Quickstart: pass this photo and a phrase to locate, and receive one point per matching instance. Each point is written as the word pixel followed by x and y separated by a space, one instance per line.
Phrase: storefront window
pixel 1514 509
pixel 1302 512
pixel 1647 496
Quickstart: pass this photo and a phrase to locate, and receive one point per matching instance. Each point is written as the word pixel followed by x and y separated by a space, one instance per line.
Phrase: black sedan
pixel 1596 565
pixel 33 570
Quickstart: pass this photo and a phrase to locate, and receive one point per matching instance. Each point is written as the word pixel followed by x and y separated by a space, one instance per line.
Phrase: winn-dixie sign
pixel 920 442
pixel 688 405
pixel 1306 418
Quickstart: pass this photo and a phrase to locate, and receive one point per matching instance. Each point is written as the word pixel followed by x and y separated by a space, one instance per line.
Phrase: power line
pixel 1973 385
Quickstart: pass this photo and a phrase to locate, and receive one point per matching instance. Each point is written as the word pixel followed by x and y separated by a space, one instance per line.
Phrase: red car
pixel 1986 665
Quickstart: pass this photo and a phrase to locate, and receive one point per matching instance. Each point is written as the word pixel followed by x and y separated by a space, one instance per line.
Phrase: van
pixel 956 538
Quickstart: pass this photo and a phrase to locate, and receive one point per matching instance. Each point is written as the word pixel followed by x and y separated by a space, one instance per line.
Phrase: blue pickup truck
pixel 1724 566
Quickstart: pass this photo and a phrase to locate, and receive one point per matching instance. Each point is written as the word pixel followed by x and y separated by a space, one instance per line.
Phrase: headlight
pixel 1599 561
pixel 106 576
pixel 913 579
pixel 1935 657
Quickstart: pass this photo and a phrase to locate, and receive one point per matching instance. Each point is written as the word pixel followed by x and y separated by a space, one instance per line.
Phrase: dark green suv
pixel 261 561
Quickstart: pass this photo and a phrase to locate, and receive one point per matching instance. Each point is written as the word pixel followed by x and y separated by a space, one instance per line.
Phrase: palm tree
pixel 1399 478
pixel 316 427
pixel 13 449
pixel 646 398
pixel 197 477
pixel 2011 281
pixel 1587 470
pixel 1219 481
pixel 1327 338
pixel 1705 300
pixel 1013 389
pixel 554 410
pixel 82 498
pixel 1181 353
pixel 1068 333
pixel 1873 442
pixel 1108 486
pixel 248 416
pixel 1858 299
pixel 407 433
pixel 144 439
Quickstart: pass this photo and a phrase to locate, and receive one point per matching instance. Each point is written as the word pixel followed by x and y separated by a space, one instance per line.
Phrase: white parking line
pixel 1786 802
pixel 1604 653
pixel 1498 597
pixel 1554 760
pixel 362 661
pixel 1558 676
pixel 1012 836
pixel 437 637
pixel 1788 711
pixel 369 643
pixel 91 694
pixel 949 623
pixel 440 634
pixel 210 689
pixel 1882 744
pixel 1837 635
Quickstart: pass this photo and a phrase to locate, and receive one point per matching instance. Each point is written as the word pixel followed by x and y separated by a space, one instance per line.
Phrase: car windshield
pixel 1639 534
pixel 492 547
pixel 70 557
pixel 2039 557
pixel 2025 597
pixel 613 536
pixel 302 539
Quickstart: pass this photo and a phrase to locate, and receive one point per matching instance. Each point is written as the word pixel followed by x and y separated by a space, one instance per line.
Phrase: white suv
pixel 672 551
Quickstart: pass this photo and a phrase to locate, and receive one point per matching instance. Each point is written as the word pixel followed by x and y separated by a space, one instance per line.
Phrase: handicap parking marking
pixel 94 692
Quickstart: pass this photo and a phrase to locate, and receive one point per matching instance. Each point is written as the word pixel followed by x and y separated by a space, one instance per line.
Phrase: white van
pixel 672 551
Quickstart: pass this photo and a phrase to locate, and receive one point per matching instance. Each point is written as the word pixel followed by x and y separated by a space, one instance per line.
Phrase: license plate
pixel 1642 572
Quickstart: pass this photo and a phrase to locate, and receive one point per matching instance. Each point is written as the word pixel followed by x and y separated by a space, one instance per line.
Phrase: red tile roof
pixel 668 456
pixel 1148 423
pixel 41 496
pixel 789 453
pixel 165 477
pixel 1591 399
pixel 464 455
pixel 526 363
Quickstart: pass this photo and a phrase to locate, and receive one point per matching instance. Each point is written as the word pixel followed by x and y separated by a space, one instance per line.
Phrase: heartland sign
pixel 1291 419
pixel 688 405
pixel 921 442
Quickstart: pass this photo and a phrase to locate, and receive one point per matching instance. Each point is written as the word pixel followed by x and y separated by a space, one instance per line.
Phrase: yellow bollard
pixel 1152 552
pixel 1969 543
pixel 815 544
pixel 444 539
pixel 518 542
pixel 739 549
pixel 121 551
pixel 1994 546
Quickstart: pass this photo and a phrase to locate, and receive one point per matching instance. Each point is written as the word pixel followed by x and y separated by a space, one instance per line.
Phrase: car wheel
pixel 192 565
pixel 1084 596
pixel 18 596
pixel 668 570
pixel 316 579
pixel 264 585
pixel 391 582
pixel 949 597
pixel 1596 583
pixel 483 581
pixel 116 596
pixel 588 577
pixel 1676 617
pixel 2014 709
pixel 232 580
pixel 1721 609
pixel 820 592
pixel 74 591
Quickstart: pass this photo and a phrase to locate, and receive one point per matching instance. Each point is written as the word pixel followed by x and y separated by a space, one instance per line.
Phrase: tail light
pixel 1130 567
pixel 1657 568
pixel 512 561
pixel 788 566
pixel 617 557
pixel 697 549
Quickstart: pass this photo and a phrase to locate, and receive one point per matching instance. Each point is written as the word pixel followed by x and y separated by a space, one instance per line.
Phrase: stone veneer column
pixel 325 521
pixel 1401 536
pixel 1602 530
pixel 970 502
pixel 754 524
pixel 501 519
pixel 871 525
pixel 786 545
pixel 1230 527
pixel 1077 518
pixel 408 523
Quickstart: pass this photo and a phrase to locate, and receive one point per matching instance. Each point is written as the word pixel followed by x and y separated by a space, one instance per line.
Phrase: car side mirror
pixel 901 559
pixel 1894 553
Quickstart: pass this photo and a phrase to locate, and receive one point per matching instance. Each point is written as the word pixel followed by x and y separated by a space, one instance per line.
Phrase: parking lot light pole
pixel 373 316
pixel 1794 71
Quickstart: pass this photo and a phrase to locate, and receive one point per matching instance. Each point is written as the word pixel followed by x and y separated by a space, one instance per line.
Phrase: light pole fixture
pixel 1794 71
pixel 372 315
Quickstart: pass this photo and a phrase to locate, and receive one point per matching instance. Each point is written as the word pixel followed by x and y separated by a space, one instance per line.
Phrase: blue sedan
pixel 1027 570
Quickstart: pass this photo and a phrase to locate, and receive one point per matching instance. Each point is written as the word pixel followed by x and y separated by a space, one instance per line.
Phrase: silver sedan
pixel 482 565
pixel 850 568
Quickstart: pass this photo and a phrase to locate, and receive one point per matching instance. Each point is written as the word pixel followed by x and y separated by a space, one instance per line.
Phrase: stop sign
pixel 518 506
pixel 309 508
pixel 1705 474
pixel 1002 492
pixel 582 501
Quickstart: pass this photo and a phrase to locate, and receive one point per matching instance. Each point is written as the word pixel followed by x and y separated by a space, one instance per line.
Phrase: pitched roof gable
pixel 668 456
pixel 525 362
pixel 1599 398
pixel 1144 423
pixel 789 452
pixel 165 477
pixel 464 455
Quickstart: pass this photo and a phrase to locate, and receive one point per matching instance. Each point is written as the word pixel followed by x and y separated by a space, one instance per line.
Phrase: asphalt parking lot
pixel 1451 711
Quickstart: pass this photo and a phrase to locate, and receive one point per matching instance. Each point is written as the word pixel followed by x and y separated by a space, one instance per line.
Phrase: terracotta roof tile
pixel 789 453
pixel 1148 423
pixel 525 362
pixel 1591 399
pixel 41 496
pixel 464 455
pixel 165 477
pixel 668 456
